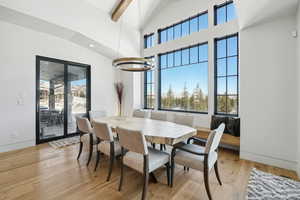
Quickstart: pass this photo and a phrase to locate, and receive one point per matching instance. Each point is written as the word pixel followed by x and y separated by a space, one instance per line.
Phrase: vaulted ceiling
pixel 251 12
pixel 138 12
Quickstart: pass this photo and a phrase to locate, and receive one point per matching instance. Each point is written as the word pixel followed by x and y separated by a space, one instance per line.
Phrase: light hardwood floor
pixel 44 173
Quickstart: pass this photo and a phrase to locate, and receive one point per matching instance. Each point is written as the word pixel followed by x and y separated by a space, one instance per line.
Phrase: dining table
pixel 155 131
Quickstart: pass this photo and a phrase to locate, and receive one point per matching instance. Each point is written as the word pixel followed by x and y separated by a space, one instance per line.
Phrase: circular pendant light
pixel 133 64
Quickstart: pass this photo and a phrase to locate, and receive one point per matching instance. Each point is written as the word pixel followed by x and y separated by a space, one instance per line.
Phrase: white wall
pixel 268 97
pixel 18 49
pixel 298 85
pixel 174 13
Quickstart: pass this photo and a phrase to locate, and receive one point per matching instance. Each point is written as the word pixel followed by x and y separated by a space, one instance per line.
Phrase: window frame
pixel 216 7
pixel 146 84
pixel 150 35
pixel 226 76
pixel 180 23
pixel 159 95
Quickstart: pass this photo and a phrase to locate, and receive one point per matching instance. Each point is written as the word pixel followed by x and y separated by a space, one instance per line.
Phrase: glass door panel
pixel 77 95
pixel 51 100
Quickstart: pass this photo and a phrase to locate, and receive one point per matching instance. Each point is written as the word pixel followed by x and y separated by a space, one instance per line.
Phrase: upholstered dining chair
pixel 139 157
pixel 140 113
pixel 156 115
pixel 94 114
pixel 107 145
pixel 199 158
pixel 161 116
pixel 87 137
pixel 187 120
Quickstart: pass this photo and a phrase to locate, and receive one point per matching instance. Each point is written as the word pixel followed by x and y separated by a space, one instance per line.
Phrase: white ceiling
pixel 251 12
pixel 138 12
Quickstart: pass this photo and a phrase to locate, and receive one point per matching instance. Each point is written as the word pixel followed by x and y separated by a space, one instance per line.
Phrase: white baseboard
pixel 286 164
pixel 16 146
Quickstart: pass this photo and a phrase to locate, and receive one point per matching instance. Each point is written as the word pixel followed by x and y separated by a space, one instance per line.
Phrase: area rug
pixel 64 142
pixel 265 186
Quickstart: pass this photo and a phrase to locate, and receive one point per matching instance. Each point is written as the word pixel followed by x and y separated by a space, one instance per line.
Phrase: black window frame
pixel 146 84
pixel 146 37
pixel 180 23
pixel 159 95
pixel 216 7
pixel 226 76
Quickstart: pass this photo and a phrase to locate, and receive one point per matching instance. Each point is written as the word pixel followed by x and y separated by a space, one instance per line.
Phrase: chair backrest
pixel 103 131
pixel 94 114
pixel 132 140
pixel 186 120
pixel 139 113
pixel 84 124
pixel 214 139
pixel 162 116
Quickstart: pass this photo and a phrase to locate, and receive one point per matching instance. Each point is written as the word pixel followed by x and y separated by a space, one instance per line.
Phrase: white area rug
pixel 64 142
pixel 265 186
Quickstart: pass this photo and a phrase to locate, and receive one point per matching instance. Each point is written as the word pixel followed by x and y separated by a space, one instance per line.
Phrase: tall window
pixel 183 79
pixel 227 75
pixel 184 28
pixel 149 93
pixel 225 13
pixel 149 41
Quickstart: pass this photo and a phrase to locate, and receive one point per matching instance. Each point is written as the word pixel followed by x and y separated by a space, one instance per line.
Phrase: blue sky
pixel 177 78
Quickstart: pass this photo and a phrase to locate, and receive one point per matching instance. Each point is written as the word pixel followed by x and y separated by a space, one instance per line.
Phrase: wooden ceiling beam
pixel 120 9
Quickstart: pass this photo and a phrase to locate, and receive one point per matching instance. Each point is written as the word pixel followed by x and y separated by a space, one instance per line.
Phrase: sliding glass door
pixel 63 92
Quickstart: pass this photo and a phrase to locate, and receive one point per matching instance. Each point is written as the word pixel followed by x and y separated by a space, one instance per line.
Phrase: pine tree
pixel 170 98
pixel 185 98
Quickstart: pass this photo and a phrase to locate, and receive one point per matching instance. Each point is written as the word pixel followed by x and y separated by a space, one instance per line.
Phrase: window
pixel 225 13
pixel 184 28
pixel 149 41
pixel 226 76
pixel 149 92
pixel 183 79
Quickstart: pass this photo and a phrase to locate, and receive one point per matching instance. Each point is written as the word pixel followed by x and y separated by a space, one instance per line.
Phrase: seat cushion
pixel 85 138
pixel 136 161
pixel 194 161
pixel 104 147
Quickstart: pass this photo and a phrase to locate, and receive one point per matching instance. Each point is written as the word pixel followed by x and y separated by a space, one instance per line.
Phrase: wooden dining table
pixel 158 132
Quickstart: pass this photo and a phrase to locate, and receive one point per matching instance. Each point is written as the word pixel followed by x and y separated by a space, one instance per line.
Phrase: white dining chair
pixel 87 137
pixel 198 157
pixel 161 116
pixel 140 113
pixel 94 114
pixel 187 120
pixel 156 115
pixel 107 145
pixel 139 157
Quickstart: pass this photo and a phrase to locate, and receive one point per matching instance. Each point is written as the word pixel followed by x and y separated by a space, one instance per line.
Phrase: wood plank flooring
pixel 42 172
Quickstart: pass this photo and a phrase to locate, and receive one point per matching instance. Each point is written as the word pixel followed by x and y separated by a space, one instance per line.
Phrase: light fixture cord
pixel 120 33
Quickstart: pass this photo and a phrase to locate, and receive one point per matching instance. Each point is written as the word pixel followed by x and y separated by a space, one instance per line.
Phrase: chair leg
pixel 168 172
pixel 91 150
pixel 153 145
pixel 172 167
pixel 80 150
pixel 122 170
pixel 217 172
pixel 206 178
pixel 97 160
pixel 146 177
pixel 111 162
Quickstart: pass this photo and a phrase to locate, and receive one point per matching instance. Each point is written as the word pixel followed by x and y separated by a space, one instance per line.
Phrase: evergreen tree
pixel 169 98
pixel 185 98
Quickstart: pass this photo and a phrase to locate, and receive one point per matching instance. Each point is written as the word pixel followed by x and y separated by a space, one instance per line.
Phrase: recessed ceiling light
pixel 91 45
